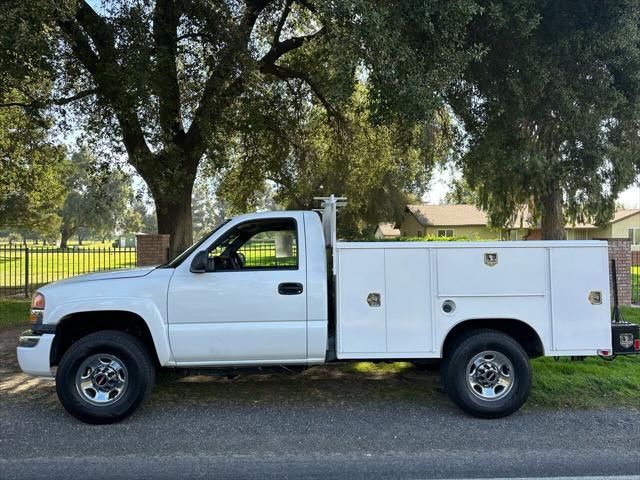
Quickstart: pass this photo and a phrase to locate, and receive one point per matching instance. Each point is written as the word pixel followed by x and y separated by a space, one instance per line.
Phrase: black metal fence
pixel 25 268
pixel 264 254
pixel 635 277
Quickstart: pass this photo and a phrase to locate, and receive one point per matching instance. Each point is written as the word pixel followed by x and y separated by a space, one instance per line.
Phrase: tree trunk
pixel 552 222
pixel 173 211
pixel 65 235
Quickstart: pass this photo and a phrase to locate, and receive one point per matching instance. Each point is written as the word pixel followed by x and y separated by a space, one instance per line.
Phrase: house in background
pixel 624 224
pixel 471 222
pixel 386 230
pixel 455 221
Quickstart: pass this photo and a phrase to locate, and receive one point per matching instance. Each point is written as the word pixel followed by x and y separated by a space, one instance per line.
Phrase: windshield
pixel 180 258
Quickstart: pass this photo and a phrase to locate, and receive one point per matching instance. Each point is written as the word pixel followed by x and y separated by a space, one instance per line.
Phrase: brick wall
pixel 620 251
pixel 152 249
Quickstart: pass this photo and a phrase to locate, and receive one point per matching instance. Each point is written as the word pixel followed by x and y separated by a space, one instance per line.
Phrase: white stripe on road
pixel 617 477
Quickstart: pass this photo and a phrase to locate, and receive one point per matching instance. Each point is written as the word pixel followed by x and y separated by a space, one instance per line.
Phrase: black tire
pixel 466 390
pixel 128 351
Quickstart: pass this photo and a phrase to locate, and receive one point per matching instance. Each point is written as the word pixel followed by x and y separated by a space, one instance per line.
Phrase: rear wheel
pixel 487 374
pixel 104 377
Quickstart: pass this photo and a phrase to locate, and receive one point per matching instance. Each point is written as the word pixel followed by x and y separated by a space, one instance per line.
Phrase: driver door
pixel 250 306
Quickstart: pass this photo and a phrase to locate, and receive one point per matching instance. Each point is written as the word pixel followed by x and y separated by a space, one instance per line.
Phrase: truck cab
pixel 259 296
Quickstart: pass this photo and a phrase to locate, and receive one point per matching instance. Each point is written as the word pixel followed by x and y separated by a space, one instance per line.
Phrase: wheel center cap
pixel 487 374
pixel 101 379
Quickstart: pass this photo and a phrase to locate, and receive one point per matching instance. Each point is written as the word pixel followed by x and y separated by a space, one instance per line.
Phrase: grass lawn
pixel 51 264
pixel 13 312
pixel 590 383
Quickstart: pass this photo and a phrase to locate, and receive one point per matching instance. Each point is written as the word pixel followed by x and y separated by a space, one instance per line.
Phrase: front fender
pixel 143 307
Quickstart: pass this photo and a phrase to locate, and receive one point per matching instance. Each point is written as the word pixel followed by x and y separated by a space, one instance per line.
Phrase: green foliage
pixel 552 106
pixel 207 209
pixel 460 193
pixel 378 167
pixel 32 169
pixel 138 218
pixel 97 200
pixel 170 83
pixel 427 238
pixel 14 312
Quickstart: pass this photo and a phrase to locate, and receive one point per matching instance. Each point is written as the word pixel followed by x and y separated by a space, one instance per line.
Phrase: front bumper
pixel 34 353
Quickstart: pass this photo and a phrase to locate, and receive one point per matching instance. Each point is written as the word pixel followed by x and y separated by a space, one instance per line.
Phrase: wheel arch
pixel 76 325
pixel 520 331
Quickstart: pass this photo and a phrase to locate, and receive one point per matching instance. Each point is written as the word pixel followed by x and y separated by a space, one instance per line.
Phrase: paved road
pixel 382 441
pixel 335 435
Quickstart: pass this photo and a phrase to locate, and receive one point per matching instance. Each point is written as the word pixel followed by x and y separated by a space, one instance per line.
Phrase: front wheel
pixel 487 374
pixel 104 377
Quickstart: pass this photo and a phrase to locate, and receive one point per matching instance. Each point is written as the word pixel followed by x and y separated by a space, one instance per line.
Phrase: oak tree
pixel 166 80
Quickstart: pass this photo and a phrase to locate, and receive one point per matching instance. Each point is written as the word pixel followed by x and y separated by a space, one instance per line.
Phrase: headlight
pixel 37 308
pixel 37 302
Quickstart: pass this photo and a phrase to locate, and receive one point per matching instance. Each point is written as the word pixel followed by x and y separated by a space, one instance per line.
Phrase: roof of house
pixel 617 216
pixel 388 229
pixel 448 215
pixel 622 214
pixel 470 215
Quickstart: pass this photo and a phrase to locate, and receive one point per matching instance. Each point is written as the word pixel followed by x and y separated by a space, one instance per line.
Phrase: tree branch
pixel 286 46
pixel 165 27
pixel 285 73
pixel 107 74
pixel 306 4
pixel 98 29
pixel 281 22
pixel 51 101
pixel 223 79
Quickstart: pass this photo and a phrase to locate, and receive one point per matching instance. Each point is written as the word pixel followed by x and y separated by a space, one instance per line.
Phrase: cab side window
pixel 265 244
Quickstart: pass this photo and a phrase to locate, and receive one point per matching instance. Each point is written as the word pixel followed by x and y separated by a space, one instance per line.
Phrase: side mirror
pixel 200 261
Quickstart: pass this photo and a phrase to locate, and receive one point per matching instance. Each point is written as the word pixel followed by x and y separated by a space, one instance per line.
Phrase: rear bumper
pixel 34 354
pixel 625 338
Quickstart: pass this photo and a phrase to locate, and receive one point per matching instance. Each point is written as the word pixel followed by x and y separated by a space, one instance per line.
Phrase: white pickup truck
pixel 256 293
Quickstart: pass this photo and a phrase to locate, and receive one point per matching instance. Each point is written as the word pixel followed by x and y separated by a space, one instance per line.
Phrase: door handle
pixel 290 288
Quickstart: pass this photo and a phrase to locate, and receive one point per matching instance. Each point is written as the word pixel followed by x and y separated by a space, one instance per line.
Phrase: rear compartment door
pixel 577 323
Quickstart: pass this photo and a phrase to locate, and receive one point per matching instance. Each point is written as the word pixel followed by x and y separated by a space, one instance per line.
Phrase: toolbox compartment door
pixel 577 323
pixel 408 305
pixel 362 326
pixel 400 321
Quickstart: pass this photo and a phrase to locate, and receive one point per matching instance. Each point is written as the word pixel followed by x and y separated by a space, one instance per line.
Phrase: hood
pixel 107 275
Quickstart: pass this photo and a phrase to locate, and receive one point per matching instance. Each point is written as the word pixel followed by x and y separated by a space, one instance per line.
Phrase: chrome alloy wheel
pixel 490 375
pixel 102 379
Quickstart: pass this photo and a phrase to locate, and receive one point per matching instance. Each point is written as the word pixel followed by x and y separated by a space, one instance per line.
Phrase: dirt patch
pixel 16 386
